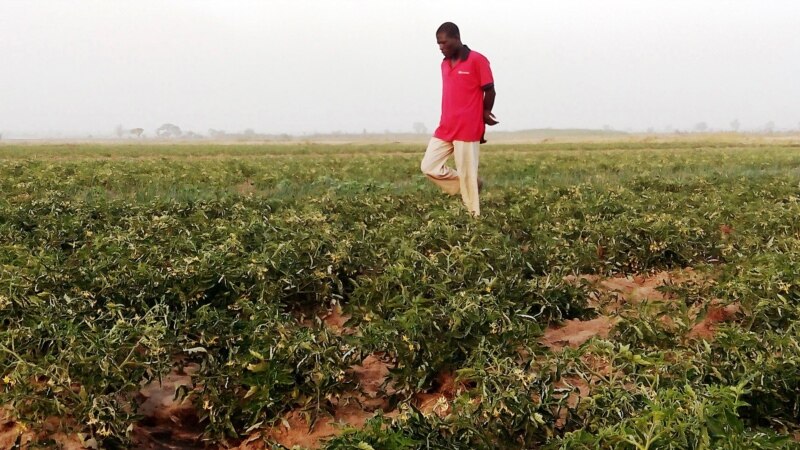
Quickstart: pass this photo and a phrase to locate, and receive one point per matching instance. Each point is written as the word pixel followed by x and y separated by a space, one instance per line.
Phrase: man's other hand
pixel 489 118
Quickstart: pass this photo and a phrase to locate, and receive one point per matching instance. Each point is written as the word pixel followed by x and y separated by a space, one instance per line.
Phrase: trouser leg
pixel 466 156
pixel 434 167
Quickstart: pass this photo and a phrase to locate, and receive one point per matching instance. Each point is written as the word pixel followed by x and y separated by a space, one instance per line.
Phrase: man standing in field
pixel 467 100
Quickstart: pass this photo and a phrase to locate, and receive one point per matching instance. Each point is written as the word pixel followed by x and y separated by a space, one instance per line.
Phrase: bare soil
pixel 352 409
pixel 609 297
pixel 575 332
pixel 13 433
pixel 168 423
pixel 716 314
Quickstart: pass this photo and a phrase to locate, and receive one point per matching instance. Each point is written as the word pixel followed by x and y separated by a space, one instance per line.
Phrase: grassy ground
pixel 121 264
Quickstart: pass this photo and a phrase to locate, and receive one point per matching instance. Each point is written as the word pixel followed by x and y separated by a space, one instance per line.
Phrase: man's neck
pixel 460 55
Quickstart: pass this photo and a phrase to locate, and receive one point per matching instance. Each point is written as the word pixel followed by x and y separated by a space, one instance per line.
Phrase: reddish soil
pixel 352 409
pixel 716 314
pixel 335 320
pixel 371 375
pixel 575 332
pixel 12 432
pixel 613 293
pixel 295 430
pixel 168 423
pixel 578 388
pixel 438 401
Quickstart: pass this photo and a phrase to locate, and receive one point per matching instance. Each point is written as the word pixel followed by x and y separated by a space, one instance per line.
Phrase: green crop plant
pixel 119 262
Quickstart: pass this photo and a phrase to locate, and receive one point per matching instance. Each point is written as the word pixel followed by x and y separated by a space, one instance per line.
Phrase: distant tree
pixel 700 127
pixel 119 131
pixel 651 130
pixel 769 127
pixel 420 128
pixel 216 134
pixel 1 136
pixel 608 128
pixel 735 125
pixel 249 132
pixel 168 130
pixel 193 135
pixel 136 132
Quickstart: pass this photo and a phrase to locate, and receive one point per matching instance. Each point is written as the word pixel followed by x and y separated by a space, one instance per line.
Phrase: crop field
pixel 613 295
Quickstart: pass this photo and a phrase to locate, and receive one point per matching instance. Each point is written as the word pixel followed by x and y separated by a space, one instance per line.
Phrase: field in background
pixel 532 136
pixel 639 293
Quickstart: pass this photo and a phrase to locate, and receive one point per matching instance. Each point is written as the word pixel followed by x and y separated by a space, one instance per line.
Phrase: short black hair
pixel 449 29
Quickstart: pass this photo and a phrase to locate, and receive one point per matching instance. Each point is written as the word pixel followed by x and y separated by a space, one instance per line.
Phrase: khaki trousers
pixel 463 179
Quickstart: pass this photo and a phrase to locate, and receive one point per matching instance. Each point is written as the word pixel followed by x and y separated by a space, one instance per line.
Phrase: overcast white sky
pixel 301 66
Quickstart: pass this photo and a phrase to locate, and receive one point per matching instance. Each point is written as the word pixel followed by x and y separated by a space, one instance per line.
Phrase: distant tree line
pixel 172 131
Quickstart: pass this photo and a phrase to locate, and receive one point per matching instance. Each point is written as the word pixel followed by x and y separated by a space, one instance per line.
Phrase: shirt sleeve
pixel 484 72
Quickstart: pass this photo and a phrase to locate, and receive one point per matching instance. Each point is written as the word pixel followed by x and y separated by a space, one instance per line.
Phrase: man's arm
pixel 488 103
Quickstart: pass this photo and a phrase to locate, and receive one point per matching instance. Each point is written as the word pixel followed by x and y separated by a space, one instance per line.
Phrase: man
pixel 467 100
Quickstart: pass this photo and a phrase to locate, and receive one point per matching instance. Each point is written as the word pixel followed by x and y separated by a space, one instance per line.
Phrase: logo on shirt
pixel 463 72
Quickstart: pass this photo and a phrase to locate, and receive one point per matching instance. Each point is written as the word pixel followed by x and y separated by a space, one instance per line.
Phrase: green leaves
pixel 118 263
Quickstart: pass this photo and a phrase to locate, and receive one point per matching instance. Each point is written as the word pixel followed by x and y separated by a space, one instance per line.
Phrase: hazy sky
pixel 79 66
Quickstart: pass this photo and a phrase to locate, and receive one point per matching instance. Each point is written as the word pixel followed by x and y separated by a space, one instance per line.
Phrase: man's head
pixel 449 39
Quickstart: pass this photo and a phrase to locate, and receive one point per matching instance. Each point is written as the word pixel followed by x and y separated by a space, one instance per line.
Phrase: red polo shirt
pixel 462 98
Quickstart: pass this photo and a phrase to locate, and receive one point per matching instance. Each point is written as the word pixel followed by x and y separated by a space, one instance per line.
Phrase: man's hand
pixel 489 118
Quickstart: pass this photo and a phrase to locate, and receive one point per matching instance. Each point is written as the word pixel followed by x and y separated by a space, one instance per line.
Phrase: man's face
pixel 448 45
